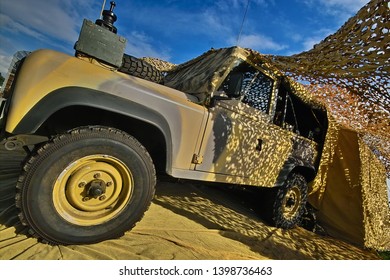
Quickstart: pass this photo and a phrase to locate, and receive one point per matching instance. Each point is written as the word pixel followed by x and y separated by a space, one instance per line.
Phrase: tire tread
pixel 55 143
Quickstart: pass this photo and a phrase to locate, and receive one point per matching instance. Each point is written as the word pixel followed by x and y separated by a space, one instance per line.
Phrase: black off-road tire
pixel 290 202
pixel 140 69
pixel 85 186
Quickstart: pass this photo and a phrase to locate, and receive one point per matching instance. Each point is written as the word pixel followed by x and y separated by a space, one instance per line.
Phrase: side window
pixel 294 115
pixel 257 90
pixel 250 85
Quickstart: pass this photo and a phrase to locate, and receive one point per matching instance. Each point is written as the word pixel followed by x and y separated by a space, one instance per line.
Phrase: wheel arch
pixel 296 166
pixel 91 107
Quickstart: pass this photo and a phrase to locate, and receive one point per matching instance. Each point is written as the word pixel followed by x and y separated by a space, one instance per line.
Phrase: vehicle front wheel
pixel 85 186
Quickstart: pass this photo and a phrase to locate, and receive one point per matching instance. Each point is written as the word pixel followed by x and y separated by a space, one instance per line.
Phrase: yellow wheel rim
pixel 291 202
pixel 92 190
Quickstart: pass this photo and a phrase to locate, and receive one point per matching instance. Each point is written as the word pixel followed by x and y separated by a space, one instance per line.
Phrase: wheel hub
pixel 96 188
pixel 291 202
pixel 92 189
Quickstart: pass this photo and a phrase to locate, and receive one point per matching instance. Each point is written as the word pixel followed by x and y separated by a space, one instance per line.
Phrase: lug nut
pixel 81 184
pixel 85 198
pixel 103 197
pixel 96 175
pixel 108 184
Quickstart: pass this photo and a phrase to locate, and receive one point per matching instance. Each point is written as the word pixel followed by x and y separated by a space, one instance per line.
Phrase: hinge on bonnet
pixel 21 140
pixel 197 159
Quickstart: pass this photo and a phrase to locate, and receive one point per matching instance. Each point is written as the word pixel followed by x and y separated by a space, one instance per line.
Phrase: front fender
pixel 72 96
pixel 295 165
pixel 50 81
pixel 76 96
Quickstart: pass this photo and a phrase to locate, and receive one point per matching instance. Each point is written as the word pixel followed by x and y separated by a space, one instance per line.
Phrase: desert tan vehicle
pixel 96 136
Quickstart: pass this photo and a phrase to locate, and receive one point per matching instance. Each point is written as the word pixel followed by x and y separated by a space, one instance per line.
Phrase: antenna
pixel 101 12
pixel 242 23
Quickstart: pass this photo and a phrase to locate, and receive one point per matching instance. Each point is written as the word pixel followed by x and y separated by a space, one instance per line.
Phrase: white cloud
pixel 41 18
pixel 41 23
pixel 258 42
pixel 341 9
pixel 140 45
pixel 351 6
pixel 309 42
pixel 211 21
pixel 338 12
pixel 16 27
pixel 216 25
pixel 56 24
pixel 4 64
pixel 238 4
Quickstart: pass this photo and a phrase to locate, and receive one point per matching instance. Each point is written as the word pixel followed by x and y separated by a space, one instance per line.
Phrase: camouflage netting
pixel 163 66
pixel 349 72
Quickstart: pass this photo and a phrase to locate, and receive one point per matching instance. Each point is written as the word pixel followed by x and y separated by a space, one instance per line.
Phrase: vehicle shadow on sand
pixel 233 214
pixel 213 210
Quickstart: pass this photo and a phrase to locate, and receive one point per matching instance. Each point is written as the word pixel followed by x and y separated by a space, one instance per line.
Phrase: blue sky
pixel 175 30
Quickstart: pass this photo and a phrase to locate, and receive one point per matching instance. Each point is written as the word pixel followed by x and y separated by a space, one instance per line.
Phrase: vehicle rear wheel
pixel 85 186
pixel 289 203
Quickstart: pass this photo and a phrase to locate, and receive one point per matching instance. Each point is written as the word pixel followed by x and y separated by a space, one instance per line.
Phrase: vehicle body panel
pixel 59 71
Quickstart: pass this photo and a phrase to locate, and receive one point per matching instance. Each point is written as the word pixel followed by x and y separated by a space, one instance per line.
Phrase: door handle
pixel 259 144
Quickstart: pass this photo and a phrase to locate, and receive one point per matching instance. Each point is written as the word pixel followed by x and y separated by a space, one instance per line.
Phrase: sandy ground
pixel 186 221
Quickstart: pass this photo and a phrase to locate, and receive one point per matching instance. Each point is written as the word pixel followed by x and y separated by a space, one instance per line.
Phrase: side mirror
pixel 234 84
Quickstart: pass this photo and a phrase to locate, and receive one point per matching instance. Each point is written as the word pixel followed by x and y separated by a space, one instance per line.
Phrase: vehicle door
pixel 240 140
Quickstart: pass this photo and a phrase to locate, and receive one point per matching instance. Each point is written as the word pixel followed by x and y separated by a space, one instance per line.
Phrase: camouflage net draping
pixel 349 73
